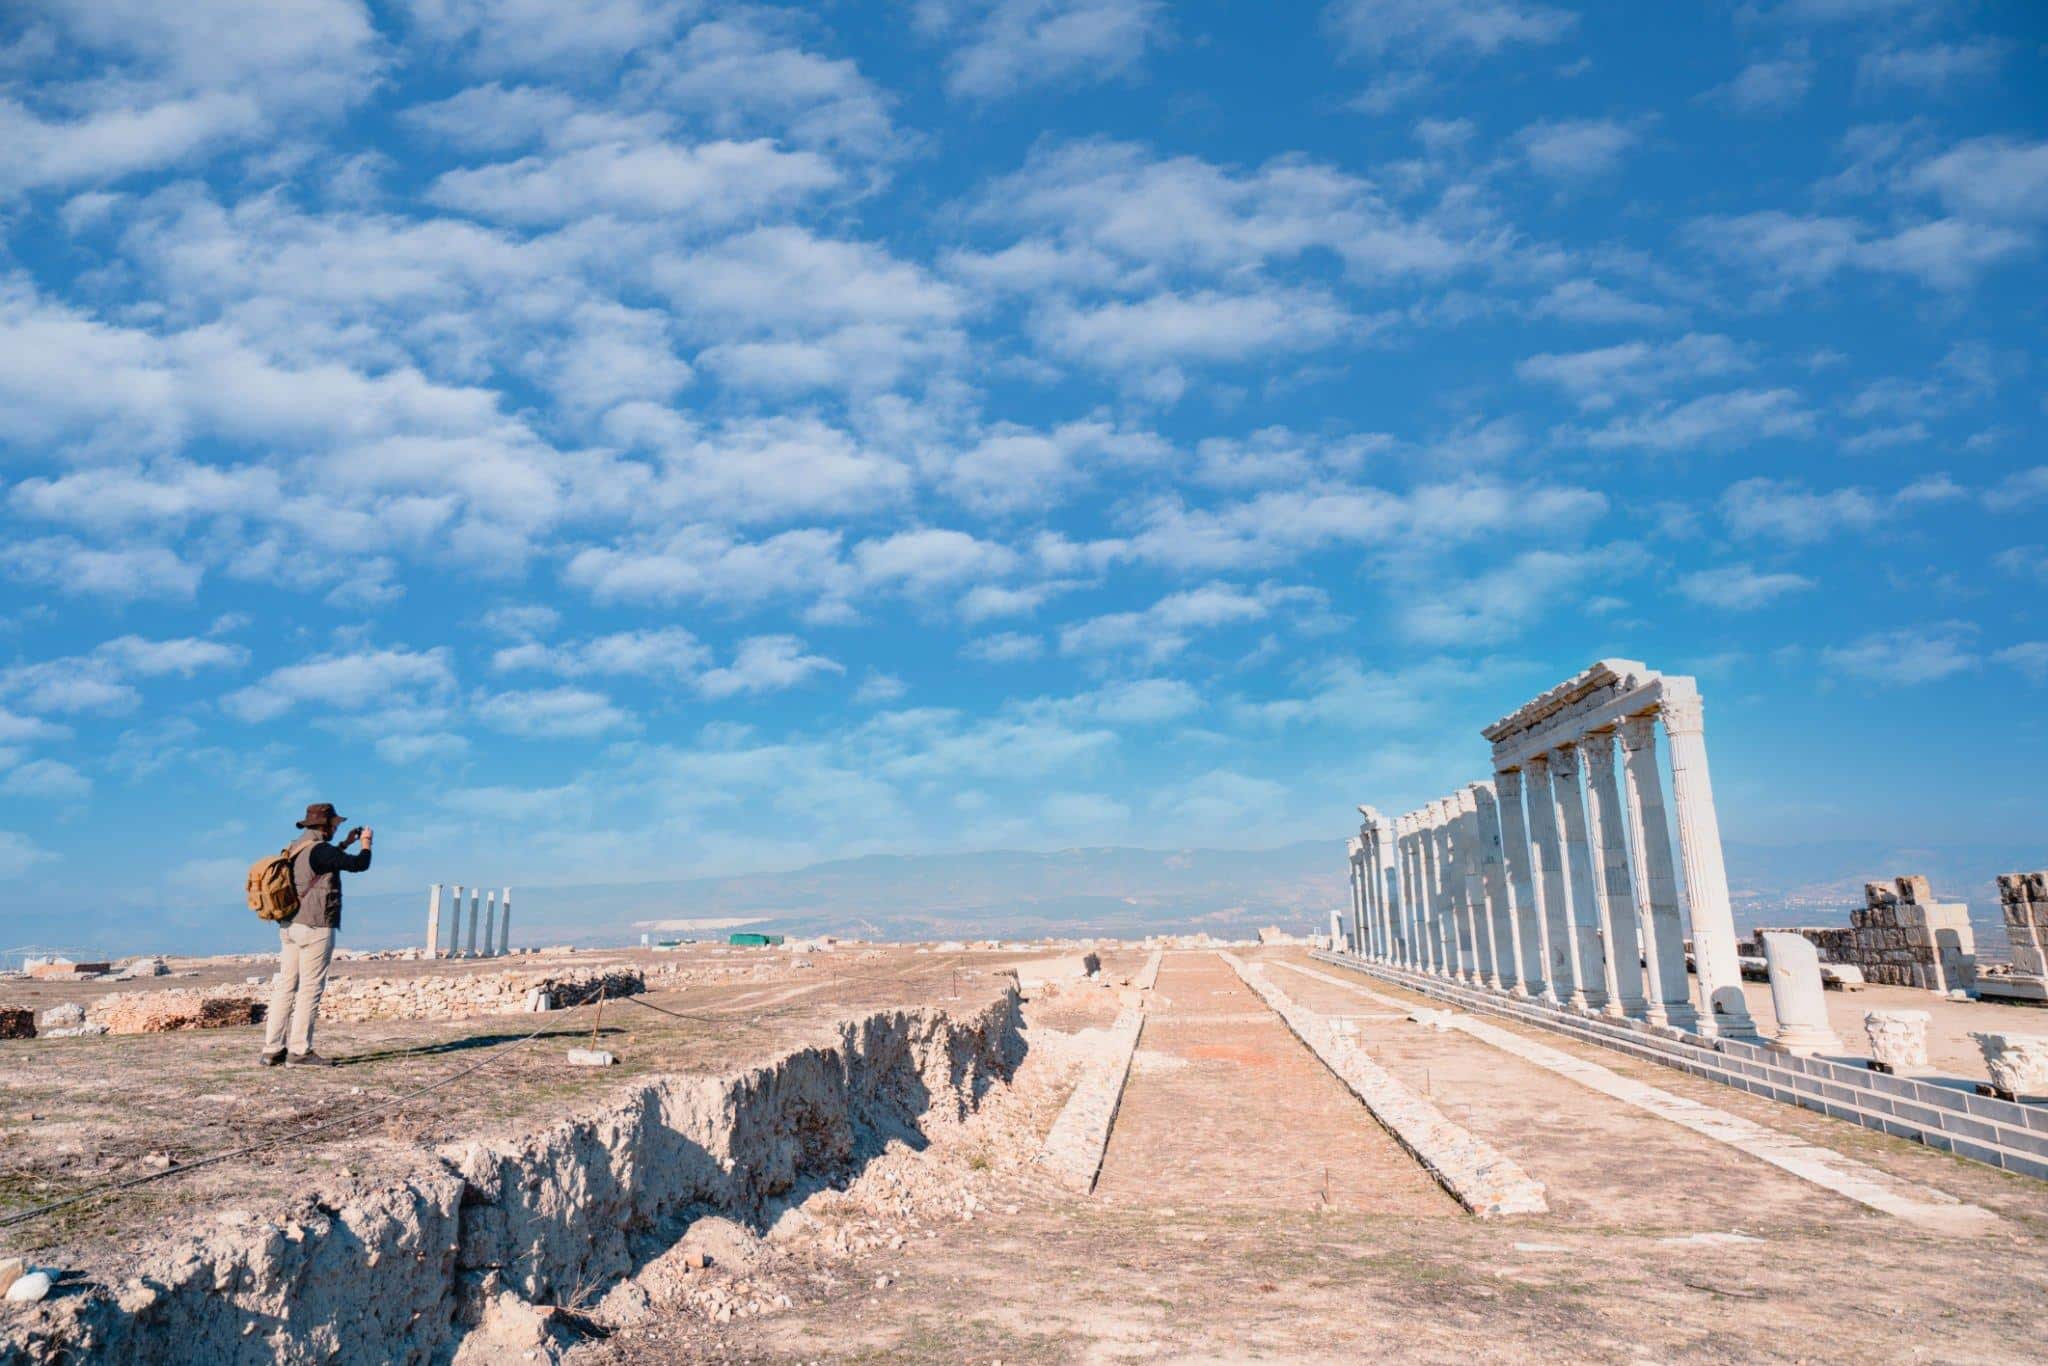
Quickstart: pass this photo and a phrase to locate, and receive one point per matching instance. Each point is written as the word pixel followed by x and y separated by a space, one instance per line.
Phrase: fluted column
pixel 1500 907
pixel 1426 891
pixel 434 921
pixel 1396 903
pixel 1405 872
pixel 1706 875
pixel 1616 892
pixel 1546 858
pixel 1459 886
pixel 1656 882
pixel 1589 973
pixel 1354 854
pixel 1528 908
pixel 1450 890
pixel 1478 928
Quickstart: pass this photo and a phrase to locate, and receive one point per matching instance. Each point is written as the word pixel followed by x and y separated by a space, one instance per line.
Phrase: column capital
pixel 1564 762
pixel 1508 783
pixel 1599 757
pixel 1683 715
pixel 1638 732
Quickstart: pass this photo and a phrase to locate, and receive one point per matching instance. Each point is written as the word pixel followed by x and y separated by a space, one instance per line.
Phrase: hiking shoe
pixel 271 1059
pixel 308 1059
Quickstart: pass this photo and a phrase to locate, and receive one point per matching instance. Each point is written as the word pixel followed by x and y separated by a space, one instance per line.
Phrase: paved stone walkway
pixel 1225 1108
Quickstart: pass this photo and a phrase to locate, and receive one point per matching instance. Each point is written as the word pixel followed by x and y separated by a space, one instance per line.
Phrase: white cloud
pixel 663 651
pixel 1004 647
pixel 46 779
pixel 1576 149
pixel 1589 301
pixel 879 688
pixel 929 559
pixel 1152 335
pixel 710 184
pixel 766 664
pixel 1932 68
pixel 156 84
pixel 1428 29
pixel 502 35
pixel 1595 379
pixel 709 564
pixel 1509 599
pixel 1998 178
pixel 1926 655
pixel 123 573
pixel 1014 45
pixel 1169 625
pixel 185 656
pixel 2018 489
pixel 19 853
pixel 2030 657
pixel 346 682
pixel 1120 202
pixel 1769 509
pixel 1734 418
pixel 1740 587
pixel 1771 85
pixel 551 713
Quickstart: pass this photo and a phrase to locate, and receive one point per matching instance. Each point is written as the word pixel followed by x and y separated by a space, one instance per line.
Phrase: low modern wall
pixel 1996 1132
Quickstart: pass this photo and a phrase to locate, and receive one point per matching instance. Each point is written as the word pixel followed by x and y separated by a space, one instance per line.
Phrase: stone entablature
pixel 1557 879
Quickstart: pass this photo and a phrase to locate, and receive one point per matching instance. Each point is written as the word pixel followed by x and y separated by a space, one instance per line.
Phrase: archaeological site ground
pixel 1526 1097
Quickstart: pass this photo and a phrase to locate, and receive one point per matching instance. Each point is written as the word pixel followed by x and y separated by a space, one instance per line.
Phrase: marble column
pixel 1706 875
pixel 1589 972
pixel 1458 884
pixel 505 923
pixel 1656 883
pixel 1522 895
pixel 475 902
pixel 1500 908
pixel 1396 902
pixel 455 925
pixel 490 922
pixel 1546 855
pixel 1605 833
pixel 1440 894
pixel 1798 996
pixel 1450 890
pixel 434 921
pixel 1404 867
pixel 1354 862
pixel 1478 927
pixel 1425 891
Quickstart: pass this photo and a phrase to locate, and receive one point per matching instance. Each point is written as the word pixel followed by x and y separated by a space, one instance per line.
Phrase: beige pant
pixel 303 955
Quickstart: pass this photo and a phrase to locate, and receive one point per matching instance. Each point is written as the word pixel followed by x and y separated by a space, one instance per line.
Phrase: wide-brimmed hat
pixel 320 813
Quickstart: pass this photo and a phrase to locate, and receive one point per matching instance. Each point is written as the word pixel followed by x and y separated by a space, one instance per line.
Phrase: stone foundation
pixel 459 996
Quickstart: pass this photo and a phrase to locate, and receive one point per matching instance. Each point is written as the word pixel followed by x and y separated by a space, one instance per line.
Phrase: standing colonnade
pixel 1555 880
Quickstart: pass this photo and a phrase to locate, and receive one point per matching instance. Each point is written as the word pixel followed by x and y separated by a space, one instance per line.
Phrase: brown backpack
pixel 273 890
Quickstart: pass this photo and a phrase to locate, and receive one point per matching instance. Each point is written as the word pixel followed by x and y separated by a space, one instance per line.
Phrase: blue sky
pixel 609 439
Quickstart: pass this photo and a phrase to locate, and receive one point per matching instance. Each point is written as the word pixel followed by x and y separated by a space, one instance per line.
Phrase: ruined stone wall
pixel 2023 901
pixel 1901 937
pixel 439 997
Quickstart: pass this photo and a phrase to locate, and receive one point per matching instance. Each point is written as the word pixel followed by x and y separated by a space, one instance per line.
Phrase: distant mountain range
pixel 1109 891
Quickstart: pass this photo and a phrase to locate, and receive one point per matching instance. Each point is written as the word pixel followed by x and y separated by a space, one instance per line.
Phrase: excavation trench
pixel 404 1273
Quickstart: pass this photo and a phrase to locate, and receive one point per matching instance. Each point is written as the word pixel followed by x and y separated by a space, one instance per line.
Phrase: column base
pixel 1806 1040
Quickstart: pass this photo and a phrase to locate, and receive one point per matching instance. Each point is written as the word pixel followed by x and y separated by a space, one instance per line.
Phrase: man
pixel 306 941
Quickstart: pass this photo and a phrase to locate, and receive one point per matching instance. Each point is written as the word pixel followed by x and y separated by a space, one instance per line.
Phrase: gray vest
pixel 319 893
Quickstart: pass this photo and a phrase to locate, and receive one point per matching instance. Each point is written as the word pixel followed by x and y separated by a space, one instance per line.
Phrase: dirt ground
pixel 1249 1208
pixel 78 1112
pixel 1215 1236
